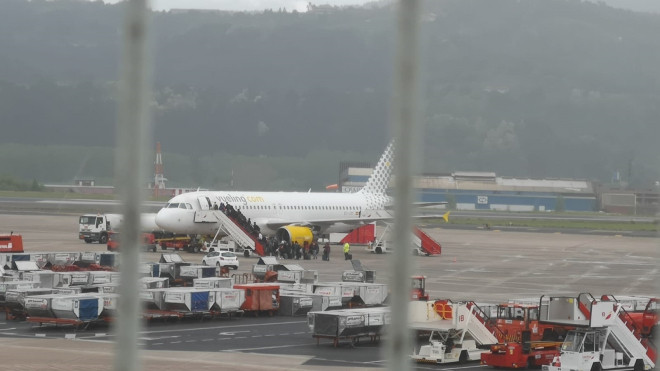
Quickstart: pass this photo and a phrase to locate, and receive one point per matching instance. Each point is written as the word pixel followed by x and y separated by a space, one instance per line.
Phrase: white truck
pixel 95 227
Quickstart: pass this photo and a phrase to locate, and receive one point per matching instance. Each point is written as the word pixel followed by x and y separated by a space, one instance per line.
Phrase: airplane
pixel 288 215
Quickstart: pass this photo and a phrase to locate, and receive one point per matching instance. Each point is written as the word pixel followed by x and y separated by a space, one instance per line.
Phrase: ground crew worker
pixel 347 250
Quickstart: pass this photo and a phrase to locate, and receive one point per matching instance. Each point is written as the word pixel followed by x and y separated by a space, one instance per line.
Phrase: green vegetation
pixel 533 88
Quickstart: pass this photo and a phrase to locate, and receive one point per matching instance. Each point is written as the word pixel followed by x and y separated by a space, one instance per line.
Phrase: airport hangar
pixel 486 191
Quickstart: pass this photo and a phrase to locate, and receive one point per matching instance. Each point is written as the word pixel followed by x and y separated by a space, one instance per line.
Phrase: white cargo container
pixel 82 307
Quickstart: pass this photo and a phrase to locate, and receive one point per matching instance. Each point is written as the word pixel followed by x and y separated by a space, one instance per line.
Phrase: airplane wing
pixel 367 218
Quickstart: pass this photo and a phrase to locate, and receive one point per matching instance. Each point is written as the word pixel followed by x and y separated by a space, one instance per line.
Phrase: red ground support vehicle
pixel 147 241
pixel 260 297
pixel 419 288
pixel 11 243
pixel 523 340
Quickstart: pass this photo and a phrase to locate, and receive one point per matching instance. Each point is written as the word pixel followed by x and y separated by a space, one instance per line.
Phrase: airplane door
pixel 204 203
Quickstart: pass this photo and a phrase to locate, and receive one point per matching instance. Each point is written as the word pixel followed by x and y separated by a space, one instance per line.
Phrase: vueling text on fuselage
pixel 243 199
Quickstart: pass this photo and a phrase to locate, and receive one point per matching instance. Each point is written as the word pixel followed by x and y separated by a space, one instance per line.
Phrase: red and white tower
pixel 159 178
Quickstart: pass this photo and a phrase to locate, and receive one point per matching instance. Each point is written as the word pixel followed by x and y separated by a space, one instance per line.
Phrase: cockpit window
pixel 182 206
pixel 189 206
pixel 173 206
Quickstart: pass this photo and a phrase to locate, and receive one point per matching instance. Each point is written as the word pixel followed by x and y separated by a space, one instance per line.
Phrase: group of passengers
pixel 286 250
pixel 237 216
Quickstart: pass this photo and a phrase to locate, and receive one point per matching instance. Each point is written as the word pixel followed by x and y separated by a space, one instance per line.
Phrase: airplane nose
pixel 161 220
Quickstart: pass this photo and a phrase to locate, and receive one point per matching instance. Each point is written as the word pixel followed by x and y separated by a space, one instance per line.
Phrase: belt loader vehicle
pixel 603 338
pixel 458 331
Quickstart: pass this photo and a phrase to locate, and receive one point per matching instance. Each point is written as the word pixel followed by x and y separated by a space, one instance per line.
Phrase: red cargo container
pixel 260 297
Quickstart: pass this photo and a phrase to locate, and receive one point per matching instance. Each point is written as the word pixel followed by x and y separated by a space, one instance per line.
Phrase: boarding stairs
pixel 424 242
pixel 420 240
pixel 231 228
pixel 611 314
pixel 475 322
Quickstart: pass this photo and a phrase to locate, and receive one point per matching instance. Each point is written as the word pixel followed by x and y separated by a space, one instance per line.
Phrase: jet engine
pixel 294 233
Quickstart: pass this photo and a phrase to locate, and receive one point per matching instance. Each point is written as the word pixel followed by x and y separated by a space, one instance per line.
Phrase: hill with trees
pixel 532 88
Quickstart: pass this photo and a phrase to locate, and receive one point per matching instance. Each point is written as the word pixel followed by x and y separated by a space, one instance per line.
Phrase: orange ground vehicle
pixel 523 340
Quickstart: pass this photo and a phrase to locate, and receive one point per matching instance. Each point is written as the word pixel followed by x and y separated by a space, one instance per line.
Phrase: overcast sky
pixel 300 5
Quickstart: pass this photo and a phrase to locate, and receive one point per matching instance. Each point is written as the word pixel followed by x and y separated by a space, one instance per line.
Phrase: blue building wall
pixel 514 200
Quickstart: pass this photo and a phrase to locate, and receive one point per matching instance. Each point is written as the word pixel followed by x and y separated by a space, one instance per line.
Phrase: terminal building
pixel 486 191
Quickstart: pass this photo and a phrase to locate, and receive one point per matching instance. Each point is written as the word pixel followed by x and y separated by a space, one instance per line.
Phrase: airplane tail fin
pixel 380 178
pixel 445 216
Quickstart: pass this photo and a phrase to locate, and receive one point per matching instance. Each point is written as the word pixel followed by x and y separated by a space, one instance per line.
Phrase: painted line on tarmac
pixel 270 347
pixel 223 327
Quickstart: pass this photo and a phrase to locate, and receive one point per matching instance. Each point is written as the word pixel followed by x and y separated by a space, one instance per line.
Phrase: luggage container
pixel 149 270
pixel 82 307
pixel 260 297
pixel 358 276
pixel 335 289
pixel 191 272
pixel 265 264
pixel 298 276
pixel 109 259
pixel 322 302
pixel 227 300
pixel 102 277
pixel 67 279
pixel 154 282
pixel 187 300
pixel 73 290
pixel 24 266
pixel 213 282
pixel 15 299
pixel 63 258
pixel 349 324
pixel 15 285
pixel 102 288
pixel 45 278
pixel 294 304
pixel 170 266
pixel 40 258
pixel 109 305
pixel 40 305
pixel 89 257
pixel 368 293
pixel 153 299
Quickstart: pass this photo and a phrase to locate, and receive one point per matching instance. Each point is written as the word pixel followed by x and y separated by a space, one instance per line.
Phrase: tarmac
pixel 475 264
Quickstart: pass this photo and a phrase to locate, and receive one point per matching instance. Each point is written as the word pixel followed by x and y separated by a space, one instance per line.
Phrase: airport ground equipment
pixel 95 227
pixel 421 243
pixel 523 340
pixel 349 324
pixel 11 243
pixel 229 227
pixel 358 274
pixel 642 310
pixel 604 337
pixel 419 288
pixel 260 297
pixel 456 332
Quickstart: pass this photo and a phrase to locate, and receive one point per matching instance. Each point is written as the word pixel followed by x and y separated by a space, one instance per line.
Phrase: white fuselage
pixel 332 212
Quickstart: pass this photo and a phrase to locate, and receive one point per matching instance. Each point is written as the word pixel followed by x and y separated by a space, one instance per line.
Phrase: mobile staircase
pixel 604 337
pixel 422 243
pixel 231 228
